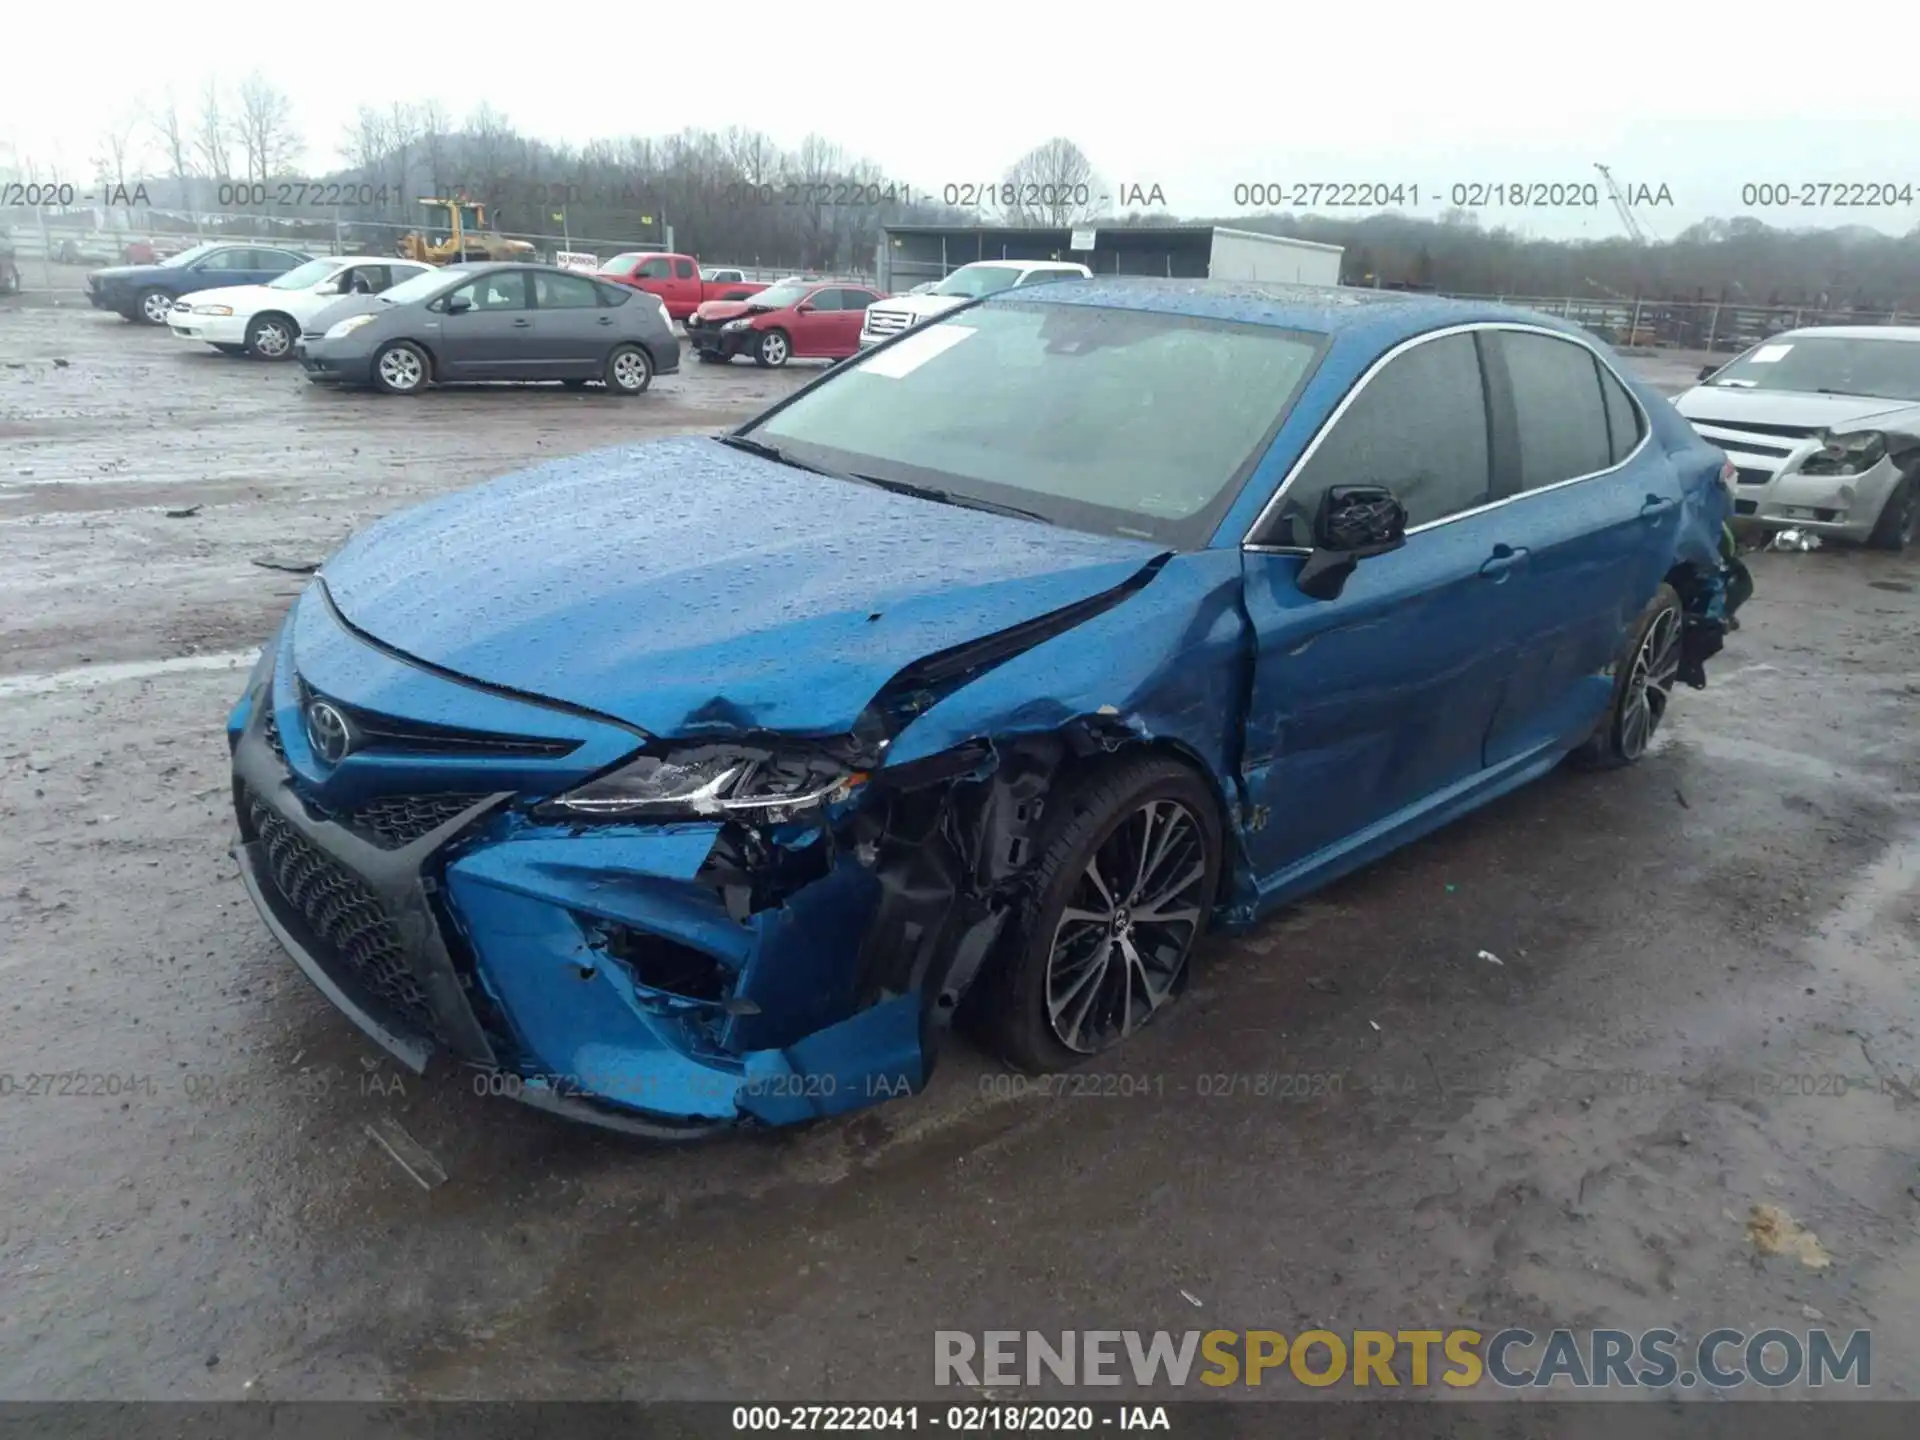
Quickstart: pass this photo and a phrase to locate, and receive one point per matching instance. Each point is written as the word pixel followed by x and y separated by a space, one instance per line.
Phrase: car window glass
pixel 1561 417
pixel 856 299
pixel 613 294
pixel 658 268
pixel 564 292
pixel 824 300
pixel 505 291
pixel 1623 416
pixel 227 260
pixel 278 261
pixel 683 269
pixel 363 280
pixel 1419 427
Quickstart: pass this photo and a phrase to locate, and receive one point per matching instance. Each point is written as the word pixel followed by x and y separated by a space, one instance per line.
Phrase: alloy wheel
pixel 1650 683
pixel 155 306
pixel 1122 941
pixel 774 349
pixel 401 369
pixel 271 340
pixel 629 370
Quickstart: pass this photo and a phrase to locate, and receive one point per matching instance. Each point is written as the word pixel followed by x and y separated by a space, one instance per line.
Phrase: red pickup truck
pixel 675 279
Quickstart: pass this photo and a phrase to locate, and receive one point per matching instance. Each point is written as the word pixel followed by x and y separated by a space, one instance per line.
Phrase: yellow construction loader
pixel 468 238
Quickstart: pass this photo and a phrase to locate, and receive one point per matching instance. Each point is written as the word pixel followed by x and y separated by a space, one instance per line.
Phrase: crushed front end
pixel 661 937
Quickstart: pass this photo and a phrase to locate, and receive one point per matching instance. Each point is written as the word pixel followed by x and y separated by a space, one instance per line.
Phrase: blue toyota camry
pixel 705 781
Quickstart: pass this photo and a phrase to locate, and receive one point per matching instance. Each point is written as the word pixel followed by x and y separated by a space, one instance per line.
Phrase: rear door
pixel 851 316
pixel 687 292
pixel 489 340
pixel 572 330
pixel 1368 709
pixel 1596 509
pixel 265 265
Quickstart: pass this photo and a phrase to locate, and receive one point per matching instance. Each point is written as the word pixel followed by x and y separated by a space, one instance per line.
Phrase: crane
pixel 1639 233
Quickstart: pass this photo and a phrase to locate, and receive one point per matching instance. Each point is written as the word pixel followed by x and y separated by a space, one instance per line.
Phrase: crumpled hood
pixel 718 310
pixel 1730 406
pixel 689 588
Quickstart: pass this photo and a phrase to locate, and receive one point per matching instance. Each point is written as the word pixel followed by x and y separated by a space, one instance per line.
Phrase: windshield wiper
pixel 947 497
pixel 775 453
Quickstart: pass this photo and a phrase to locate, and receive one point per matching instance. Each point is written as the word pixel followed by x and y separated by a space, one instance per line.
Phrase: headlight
pixel 738 325
pixel 213 309
pixel 1846 454
pixel 348 326
pixel 707 781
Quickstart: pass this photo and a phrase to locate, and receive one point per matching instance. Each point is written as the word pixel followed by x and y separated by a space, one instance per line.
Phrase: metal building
pixel 912 254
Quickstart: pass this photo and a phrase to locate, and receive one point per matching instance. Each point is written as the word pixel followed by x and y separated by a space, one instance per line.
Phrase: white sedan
pixel 265 320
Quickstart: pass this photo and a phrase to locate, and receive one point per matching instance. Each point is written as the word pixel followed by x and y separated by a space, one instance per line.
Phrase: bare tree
pixel 170 129
pixel 264 127
pixel 117 152
pixel 1052 184
pixel 210 135
pixel 404 127
pixel 816 165
pixel 435 128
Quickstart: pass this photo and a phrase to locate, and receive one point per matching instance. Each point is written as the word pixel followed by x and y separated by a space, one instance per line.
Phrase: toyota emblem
pixel 328 732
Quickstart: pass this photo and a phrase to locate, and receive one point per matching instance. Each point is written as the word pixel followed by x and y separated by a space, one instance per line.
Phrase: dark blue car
pixel 707 780
pixel 145 293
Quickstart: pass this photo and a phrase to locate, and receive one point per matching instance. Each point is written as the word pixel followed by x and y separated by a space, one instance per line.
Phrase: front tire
pixel 271 337
pixel 401 369
pixel 1642 686
pixel 629 370
pixel 1898 517
pixel 773 351
pixel 151 308
pixel 1120 896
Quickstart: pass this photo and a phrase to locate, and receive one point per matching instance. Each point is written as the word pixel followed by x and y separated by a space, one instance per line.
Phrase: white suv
pixel 888 318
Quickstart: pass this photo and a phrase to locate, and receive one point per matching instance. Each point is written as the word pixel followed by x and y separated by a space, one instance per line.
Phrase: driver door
pixel 1370 709
pixel 487 340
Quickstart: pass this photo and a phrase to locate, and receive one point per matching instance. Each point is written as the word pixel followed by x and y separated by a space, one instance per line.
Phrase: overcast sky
pixel 1195 99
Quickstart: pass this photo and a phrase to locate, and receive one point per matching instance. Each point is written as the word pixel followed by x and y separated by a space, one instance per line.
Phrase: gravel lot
pixel 1573 1136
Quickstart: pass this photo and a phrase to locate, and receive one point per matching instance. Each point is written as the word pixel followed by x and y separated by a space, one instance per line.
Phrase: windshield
pixel 623 264
pixel 421 286
pixel 1116 421
pixel 187 257
pixel 1887 369
pixel 778 297
pixel 973 281
pixel 301 276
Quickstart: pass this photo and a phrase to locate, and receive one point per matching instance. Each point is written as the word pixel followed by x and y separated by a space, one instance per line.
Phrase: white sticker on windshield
pixel 1767 354
pixel 908 355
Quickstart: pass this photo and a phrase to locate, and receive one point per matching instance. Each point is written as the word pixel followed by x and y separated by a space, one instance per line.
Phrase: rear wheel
pixel 1120 896
pixel 629 370
pixel 1642 687
pixel 1898 517
pixel 773 350
pixel 401 368
pixel 152 308
pixel 271 337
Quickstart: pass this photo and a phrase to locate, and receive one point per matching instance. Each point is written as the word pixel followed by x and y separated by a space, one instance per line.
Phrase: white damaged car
pixel 1823 426
pixel 265 320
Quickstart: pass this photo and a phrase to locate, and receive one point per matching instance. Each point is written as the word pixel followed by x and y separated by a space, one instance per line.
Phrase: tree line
pixel 736 195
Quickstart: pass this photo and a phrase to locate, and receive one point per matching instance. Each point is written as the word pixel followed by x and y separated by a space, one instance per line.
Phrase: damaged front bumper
pixel 665 979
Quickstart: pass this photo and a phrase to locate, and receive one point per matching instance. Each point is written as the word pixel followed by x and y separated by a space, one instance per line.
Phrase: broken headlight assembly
pixel 707 782
pixel 1846 454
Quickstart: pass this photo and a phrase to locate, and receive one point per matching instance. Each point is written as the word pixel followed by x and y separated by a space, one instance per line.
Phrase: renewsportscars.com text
pixel 1512 1359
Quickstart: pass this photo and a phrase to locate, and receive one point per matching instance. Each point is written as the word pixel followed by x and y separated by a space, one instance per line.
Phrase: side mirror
pixel 327 287
pixel 457 306
pixel 1707 372
pixel 803 309
pixel 1354 523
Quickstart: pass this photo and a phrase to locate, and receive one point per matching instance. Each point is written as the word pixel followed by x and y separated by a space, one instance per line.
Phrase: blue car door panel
pixel 1595 505
pixel 1365 705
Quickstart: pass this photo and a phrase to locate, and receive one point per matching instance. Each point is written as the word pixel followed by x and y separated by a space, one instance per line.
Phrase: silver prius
pixel 492 322
pixel 1823 426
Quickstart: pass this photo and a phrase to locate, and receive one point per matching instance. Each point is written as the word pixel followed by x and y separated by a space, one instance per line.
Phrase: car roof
pixel 1908 333
pixel 1389 315
pixel 1028 264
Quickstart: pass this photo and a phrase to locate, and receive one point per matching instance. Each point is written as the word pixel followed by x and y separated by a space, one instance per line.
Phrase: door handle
pixel 1503 559
pixel 521 324
pixel 1656 505
pixel 605 320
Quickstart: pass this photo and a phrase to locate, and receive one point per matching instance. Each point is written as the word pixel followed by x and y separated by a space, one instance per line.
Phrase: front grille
pixel 1746 507
pixel 887 322
pixel 396 820
pixel 360 944
pixel 391 734
pixel 1754 477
